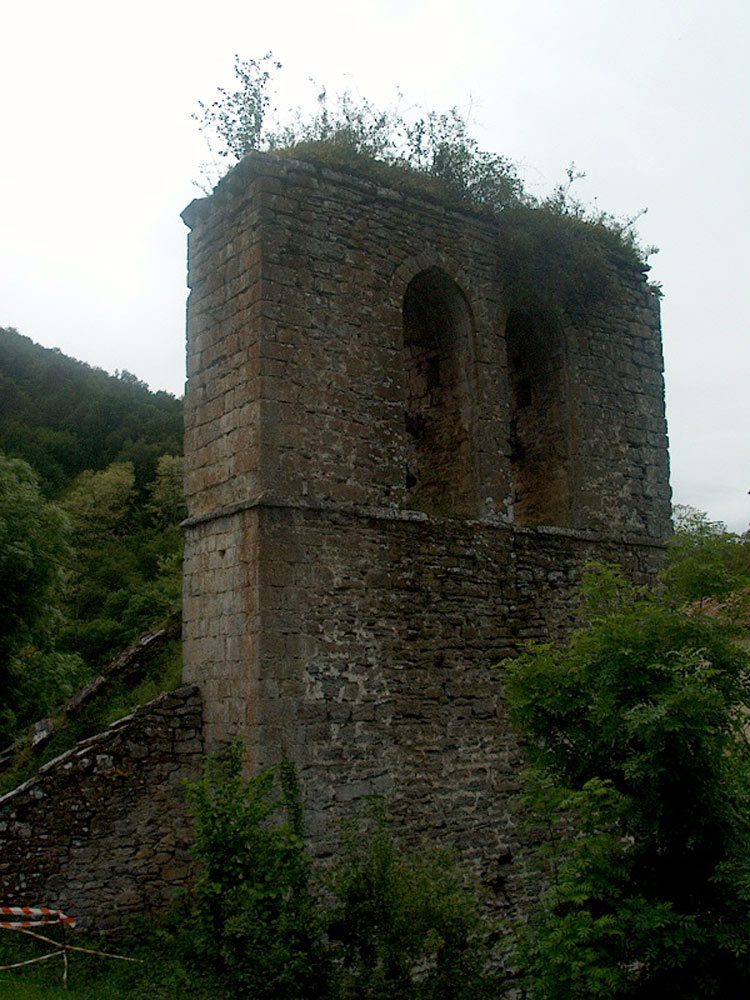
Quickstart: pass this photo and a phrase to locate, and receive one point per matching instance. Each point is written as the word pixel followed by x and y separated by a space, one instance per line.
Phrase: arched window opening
pixel 439 393
pixel 539 424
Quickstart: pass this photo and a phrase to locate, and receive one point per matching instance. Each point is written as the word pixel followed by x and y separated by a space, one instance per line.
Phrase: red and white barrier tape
pixel 40 917
pixel 31 961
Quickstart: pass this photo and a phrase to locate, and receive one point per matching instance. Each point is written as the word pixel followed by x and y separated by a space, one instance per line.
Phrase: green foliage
pixel 605 591
pixel 254 912
pixel 434 146
pixel 707 562
pixel 125 572
pixel 36 681
pixel 82 577
pixel 389 923
pixel 555 259
pixel 557 254
pixel 353 131
pixel 78 583
pixel 161 970
pixel 34 546
pixel 98 503
pixel 636 737
pixel 405 925
pixel 238 117
pixel 167 490
pixel 63 417
pixel 438 145
pixel 118 699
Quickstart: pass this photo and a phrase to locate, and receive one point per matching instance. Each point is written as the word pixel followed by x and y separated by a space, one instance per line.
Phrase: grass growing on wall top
pixel 558 253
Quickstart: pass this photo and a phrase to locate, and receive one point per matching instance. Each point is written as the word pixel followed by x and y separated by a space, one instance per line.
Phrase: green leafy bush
pixel 707 562
pixel 404 925
pixel 256 917
pixel 384 923
pixel 635 732
pixel 34 548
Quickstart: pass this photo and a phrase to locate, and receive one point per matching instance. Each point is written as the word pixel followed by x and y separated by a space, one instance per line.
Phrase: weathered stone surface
pixel 104 830
pixel 41 733
pixel 394 480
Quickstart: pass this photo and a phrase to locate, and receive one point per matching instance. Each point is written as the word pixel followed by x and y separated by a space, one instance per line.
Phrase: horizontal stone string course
pixel 396 514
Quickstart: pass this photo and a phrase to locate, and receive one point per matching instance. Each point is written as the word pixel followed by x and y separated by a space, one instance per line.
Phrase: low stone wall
pixel 104 831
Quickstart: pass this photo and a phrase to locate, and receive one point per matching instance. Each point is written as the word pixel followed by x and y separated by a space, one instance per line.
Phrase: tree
pixel 99 503
pixel 62 416
pixel 636 735
pixel 707 562
pixel 168 490
pixel 34 545
pixel 125 573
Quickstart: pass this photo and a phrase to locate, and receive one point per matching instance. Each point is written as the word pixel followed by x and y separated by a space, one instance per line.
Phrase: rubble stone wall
pixel 103 831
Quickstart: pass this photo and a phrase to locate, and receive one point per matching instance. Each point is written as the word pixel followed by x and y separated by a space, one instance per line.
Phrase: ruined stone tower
pixel 394 479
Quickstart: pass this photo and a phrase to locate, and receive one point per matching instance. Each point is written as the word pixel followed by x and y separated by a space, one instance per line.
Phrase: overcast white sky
pixel 649 97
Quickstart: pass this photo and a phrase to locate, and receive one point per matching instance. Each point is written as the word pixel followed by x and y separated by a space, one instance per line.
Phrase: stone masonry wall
pixel 374 672
pixel 296 361
pixel 104 831
pixel 346 342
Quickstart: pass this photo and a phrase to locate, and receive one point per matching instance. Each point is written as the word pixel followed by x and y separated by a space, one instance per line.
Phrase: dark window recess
pixel 439 395
pixel 539 422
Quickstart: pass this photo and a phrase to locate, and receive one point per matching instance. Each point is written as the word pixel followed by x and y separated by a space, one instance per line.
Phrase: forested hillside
pixel 63 416
pixel 90 504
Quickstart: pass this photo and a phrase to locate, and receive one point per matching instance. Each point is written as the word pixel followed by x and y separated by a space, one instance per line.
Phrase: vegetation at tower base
pixel 384 924
pixel 255 916
pixel 559 254
pixel 403 923
pixel 636 737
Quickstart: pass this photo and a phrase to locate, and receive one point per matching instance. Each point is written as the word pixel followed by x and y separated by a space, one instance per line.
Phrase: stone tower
pixel 394 479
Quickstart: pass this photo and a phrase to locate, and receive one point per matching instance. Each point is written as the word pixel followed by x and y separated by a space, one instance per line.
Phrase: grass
pixel 160 974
